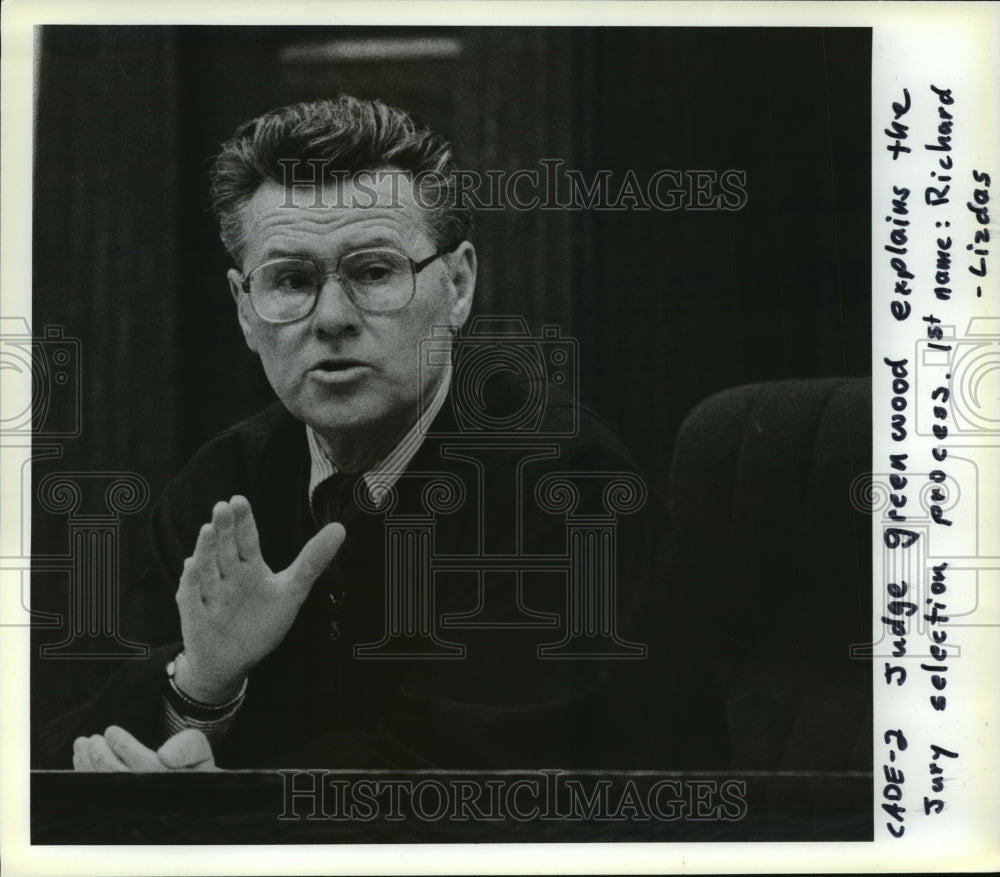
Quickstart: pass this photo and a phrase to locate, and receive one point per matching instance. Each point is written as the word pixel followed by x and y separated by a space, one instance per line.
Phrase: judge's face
pixel 343 370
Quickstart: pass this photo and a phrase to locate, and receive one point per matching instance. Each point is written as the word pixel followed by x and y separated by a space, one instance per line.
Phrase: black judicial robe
pixel 486 656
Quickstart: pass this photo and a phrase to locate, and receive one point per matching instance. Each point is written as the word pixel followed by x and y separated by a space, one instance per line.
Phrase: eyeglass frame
pixel 415 268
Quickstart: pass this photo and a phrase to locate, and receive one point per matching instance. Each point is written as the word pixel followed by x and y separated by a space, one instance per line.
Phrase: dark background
pixel 668 307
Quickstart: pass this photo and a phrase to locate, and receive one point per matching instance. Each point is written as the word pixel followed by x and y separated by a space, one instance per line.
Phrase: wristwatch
pixel 196 709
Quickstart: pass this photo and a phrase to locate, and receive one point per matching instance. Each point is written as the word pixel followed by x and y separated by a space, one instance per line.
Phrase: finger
pixel 188 589
pixel 187 750
pixel 225 529
pixel 314 557
pixel 131 752
pixel 203 570
pixel 247 540
pixel 102 758
pixel 81 756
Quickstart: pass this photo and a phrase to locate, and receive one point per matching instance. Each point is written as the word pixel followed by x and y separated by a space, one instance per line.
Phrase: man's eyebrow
pixel 349 247
pixel 281 253
pixel 364 243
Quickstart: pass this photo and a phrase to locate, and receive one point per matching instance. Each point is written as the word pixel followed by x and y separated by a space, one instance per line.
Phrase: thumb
pixel 188 750
pixel 315 557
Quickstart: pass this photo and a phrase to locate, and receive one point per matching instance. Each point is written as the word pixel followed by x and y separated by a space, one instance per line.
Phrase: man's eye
pixel 373 270
pixel 293 281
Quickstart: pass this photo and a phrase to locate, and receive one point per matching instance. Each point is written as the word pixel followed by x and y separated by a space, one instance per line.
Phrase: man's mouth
pixel 334 371
pixel 333 365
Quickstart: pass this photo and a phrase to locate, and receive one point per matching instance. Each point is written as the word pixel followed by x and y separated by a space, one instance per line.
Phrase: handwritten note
pixel 934 258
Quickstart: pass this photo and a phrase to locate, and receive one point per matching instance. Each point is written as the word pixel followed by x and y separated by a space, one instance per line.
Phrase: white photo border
pixel 915 46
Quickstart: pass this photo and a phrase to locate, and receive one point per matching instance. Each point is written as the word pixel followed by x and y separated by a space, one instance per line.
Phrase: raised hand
pixel 234 610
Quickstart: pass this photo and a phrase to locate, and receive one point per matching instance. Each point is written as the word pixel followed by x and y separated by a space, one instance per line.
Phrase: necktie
pixel 337 498
pixel 336 502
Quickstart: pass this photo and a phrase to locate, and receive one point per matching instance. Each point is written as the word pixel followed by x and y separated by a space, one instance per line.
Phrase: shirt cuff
pixel 214 729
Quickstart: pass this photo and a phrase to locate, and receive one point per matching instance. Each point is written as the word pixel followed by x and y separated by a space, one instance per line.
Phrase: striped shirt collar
pixel 384 474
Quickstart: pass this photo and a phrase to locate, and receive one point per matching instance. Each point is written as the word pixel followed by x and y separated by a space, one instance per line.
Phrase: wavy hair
pixel 347 136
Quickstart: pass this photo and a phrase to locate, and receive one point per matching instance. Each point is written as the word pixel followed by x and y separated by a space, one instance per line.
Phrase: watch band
pixel 196 709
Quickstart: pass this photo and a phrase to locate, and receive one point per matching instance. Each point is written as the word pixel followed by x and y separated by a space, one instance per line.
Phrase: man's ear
pixel 462 274
pixel 242 303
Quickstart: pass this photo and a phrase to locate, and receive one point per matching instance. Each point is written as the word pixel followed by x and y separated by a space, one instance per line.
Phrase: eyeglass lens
pixel 376 280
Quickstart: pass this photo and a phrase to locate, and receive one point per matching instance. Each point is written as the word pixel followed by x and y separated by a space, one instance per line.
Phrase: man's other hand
pixel 117 751
pixel 234 610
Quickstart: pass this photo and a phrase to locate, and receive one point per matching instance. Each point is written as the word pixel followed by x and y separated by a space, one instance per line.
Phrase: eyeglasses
pixel 377 281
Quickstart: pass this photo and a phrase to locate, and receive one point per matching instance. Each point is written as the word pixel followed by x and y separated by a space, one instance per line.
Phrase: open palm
pixel 234 609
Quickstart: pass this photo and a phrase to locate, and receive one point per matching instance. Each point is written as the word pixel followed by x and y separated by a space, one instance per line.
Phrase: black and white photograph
pixel 462 433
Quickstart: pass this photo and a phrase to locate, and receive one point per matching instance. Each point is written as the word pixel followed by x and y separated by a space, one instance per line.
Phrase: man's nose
pixel 334 310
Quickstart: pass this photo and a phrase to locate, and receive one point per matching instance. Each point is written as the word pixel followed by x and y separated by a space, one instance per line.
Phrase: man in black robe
pixel 426 554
